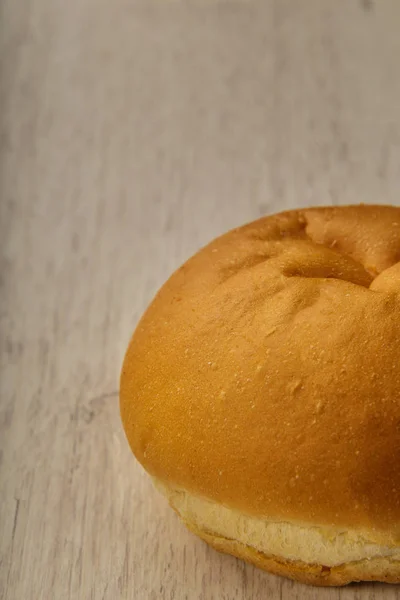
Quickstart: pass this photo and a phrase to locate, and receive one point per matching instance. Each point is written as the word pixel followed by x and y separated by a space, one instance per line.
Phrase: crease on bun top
pixel 265 374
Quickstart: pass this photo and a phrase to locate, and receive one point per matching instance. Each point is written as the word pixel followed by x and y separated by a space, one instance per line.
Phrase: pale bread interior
pixel 313 544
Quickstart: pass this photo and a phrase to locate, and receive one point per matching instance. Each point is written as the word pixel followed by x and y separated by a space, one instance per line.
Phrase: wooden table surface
pixel 132 132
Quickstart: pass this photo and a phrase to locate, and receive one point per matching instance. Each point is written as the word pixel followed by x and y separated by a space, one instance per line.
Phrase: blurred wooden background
pixel 133 132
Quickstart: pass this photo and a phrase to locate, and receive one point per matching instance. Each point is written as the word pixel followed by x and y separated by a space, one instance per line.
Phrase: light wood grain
pixel 131 134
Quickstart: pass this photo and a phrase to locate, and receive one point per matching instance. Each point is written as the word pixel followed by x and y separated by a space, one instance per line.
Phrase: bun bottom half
pixel 310 554
pixel 384 570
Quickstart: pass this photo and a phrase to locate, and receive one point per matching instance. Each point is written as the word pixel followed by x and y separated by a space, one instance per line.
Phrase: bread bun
pixel 261 390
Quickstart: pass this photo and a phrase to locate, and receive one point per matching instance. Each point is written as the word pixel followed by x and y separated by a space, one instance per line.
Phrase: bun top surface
pixel 265 374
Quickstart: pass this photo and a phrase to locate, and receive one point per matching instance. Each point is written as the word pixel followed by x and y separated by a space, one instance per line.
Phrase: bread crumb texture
pixel 312 554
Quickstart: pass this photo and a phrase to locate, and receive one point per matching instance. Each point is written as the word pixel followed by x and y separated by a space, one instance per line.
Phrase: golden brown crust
pixel 265 374
pixel 376 569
